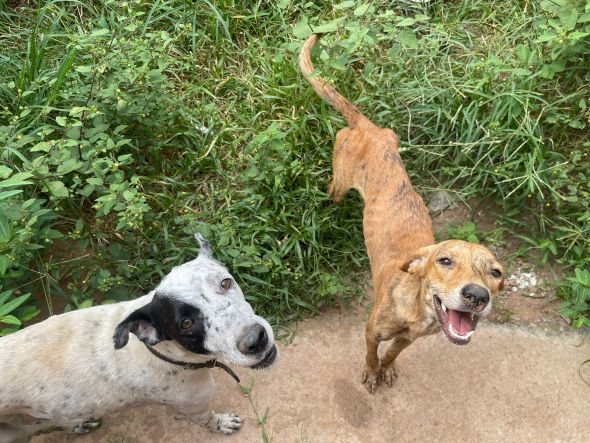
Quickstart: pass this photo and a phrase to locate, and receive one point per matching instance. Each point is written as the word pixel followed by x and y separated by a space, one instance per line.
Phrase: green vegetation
pixel 126 126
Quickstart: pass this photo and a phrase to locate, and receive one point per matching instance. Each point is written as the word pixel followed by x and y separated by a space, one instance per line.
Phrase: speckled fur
pixel 65 370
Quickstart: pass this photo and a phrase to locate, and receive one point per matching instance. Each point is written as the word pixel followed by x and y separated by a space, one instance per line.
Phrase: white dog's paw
pixel 225 423
pixel 86 426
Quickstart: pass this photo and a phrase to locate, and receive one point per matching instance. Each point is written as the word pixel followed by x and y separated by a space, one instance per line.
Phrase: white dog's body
pixel 47 375
pixel 67 372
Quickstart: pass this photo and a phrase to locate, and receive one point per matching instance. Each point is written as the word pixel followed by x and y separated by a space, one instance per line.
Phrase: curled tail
pixel 324 90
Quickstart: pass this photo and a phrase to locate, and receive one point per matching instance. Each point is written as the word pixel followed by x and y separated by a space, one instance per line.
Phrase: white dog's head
pixel 201 307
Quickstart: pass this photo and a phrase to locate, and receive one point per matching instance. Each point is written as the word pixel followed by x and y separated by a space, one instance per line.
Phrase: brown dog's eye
pixel 445 261
pixel 496 273
pixel 226 283
pixel 186 323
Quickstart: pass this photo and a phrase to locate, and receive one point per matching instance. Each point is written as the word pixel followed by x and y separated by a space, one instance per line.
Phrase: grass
pixel 127 126
pixel 261 419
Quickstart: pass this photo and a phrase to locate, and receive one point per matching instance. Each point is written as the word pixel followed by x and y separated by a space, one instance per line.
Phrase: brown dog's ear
pixel 416 263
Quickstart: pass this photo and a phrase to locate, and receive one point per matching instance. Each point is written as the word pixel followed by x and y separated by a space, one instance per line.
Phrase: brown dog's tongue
pixel 461 321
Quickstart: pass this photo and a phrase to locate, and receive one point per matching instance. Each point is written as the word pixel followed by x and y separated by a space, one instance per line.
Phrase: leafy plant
pixel 10 314
pixel 576 293
pixel 467 231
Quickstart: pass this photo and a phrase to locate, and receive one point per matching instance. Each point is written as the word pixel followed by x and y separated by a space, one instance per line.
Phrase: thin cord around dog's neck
pixel 187 365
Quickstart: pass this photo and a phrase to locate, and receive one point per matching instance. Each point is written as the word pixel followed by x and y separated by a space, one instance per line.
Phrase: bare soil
pixel 521 378
pixel 508 384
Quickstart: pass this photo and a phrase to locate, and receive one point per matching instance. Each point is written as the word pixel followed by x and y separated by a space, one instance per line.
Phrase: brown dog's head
pixel 460 279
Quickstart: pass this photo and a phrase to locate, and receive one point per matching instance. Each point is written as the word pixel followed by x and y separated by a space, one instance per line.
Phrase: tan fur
pixel 398 236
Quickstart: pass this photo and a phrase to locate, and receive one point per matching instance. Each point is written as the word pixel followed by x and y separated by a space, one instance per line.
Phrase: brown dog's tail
pixel 324 90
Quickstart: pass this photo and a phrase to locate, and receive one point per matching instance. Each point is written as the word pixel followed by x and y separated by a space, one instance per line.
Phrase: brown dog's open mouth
pixel 458 325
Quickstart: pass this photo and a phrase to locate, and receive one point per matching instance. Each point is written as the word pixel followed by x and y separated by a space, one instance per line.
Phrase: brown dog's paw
pixel 370 381
pixel 388 375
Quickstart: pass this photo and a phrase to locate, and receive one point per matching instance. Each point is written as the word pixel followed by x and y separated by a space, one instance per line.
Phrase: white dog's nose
pixel 254 341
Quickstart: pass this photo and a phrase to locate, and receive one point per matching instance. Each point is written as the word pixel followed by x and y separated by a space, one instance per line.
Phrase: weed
pixel 262 419
pixel 127 126
pixel 576 293
pixel 467 231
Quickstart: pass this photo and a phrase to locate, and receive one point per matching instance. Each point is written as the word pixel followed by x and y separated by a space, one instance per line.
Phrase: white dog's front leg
pixel 226 423
pixel 197 407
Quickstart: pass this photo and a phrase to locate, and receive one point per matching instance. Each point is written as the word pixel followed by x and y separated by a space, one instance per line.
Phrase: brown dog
pixel 420 286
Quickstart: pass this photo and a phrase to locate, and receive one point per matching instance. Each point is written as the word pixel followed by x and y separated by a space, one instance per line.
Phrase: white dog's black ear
pixel 140 323
pixel 206 250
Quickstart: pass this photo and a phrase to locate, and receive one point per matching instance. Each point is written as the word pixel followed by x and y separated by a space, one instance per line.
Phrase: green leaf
pixel 69 166
pixel 61 120
pixel 83 70
pixel 57 189
pixel 124 158
pixel 29 312
pixel 5 229
pixel 85 304
pixel 4 296
pixel 345 4
pixel 577 35
pixel 10 320
pixel 302 29
pixel 13 304
pixel 5 171
pixel 364 9
pixel 328 26
pixel 42 146
pixel 523 53
pixel 546 37
pixel 408 21
pixel 569 18
pixel 14 181
pixel 100 33
pixel 5 262
pixel 7 331
pixel 96 181
pixel 408 39
pixel 8 194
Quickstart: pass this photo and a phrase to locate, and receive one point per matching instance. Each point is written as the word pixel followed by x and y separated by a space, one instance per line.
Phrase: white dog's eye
pixel 445 261
pixel 226 283
pixel 186 323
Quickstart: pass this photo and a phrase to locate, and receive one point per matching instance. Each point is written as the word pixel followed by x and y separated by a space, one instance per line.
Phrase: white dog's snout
pixel 254 341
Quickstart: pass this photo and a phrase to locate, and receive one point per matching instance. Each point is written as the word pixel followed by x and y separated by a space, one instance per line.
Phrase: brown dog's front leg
pixel 371 372
pixel 388 374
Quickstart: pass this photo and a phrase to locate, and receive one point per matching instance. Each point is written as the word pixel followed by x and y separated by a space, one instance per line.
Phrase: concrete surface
pixel 508 384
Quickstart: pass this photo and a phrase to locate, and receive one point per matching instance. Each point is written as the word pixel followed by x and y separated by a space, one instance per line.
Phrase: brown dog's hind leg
pixel 388 374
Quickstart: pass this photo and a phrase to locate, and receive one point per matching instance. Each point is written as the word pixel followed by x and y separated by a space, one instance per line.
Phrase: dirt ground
pixel 510 383
pixel 520 379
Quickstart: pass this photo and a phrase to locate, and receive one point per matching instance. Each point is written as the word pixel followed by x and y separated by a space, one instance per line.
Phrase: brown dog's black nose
pixel 477 295
pixel 254 341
